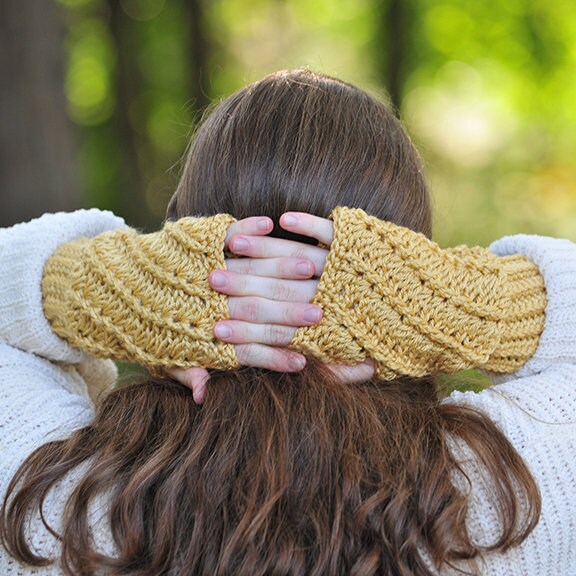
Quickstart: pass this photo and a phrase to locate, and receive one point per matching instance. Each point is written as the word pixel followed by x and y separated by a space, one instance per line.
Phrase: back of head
pixel 294 474
pixel 305 142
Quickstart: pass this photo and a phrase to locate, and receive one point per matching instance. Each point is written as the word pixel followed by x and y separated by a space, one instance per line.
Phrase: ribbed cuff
pixel 523 315
pixel 24 249
pixel 556 261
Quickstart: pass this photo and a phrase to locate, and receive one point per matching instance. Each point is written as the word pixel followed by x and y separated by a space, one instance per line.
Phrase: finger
pixel 268 247
pixel 263 311
pixel 351 374
pixel 256 225
pixel 234 284
pixel 236 332
pixel 194 378
pixel 289 268
pixel 308 225
pixel 277 359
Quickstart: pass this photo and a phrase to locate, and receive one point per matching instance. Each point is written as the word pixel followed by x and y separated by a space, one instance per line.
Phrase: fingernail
pixel 312 314
pixel 240 244
pixel 218 279
pixel 222 331
pixel 263 224
pixel 304 268
pixel 199 394
pixel 289 220
pixel 297 362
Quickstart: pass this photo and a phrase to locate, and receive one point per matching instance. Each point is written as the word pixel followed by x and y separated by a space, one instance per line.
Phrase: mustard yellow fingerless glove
pixel 142 298
pixel 387 293
pixel 393 295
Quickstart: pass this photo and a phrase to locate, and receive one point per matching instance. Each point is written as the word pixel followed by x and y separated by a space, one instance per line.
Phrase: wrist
pixel 523 315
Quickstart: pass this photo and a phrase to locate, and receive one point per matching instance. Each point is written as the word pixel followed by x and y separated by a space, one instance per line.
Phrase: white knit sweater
pixel 45 391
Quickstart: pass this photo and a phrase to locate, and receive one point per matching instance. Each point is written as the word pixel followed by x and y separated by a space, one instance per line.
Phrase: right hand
pixel 261 249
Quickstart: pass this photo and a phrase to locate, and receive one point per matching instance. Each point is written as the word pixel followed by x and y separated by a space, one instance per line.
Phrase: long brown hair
pixel 287 474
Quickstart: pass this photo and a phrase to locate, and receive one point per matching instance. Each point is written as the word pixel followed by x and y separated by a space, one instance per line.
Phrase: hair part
pixel 295 474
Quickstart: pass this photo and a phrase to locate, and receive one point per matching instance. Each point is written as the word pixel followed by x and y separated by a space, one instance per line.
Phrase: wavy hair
pixel 284 474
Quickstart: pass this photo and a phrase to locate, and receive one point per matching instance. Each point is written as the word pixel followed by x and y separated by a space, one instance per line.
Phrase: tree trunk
pixel 198 53
pixel 396 29
pixel 128 82
pixel 37 139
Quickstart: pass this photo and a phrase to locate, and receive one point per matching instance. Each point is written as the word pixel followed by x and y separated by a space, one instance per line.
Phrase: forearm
pixel 392 295
pixel 142 298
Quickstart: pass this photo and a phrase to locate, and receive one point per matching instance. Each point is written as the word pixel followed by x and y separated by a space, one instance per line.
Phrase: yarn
pixel 388 293
pixel 391 294
pixel 43 398
pixel 142 298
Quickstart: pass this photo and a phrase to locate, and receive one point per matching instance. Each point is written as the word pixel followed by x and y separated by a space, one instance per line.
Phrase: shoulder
pixel 538 416
pixel 39 402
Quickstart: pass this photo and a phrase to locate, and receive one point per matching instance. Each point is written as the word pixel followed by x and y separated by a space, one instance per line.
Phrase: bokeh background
pixel 99 97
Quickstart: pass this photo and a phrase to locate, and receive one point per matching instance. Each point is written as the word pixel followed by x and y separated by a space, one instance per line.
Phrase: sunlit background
pixel 106 92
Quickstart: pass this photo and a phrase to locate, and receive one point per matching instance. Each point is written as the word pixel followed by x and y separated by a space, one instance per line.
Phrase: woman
pixel 314 471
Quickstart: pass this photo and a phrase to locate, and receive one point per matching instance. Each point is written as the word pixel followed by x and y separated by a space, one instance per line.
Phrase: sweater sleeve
pixel 142 298
pixel 44 382
pixel 535 408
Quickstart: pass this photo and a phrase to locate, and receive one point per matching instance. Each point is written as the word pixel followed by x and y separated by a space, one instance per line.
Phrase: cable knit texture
pixel 142 298
pixel 393 295
pixel 41 400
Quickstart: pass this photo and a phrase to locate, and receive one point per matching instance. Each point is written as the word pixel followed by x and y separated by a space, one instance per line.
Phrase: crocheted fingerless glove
pixel 393 295
pixel 142 298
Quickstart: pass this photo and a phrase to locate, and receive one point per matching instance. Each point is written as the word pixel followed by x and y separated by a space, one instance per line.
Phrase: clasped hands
pixel 270 288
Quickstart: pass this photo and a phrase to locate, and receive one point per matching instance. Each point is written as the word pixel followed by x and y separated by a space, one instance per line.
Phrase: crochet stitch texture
pixel 142 298
pixel 388 293
pixel 393 295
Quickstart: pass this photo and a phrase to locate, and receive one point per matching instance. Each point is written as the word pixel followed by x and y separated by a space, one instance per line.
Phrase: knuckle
pixel 250 355
pixel 280 268
pixel 250 310
pixel 233 307
pixel 234 265
pixel 285 361
pixel 275 334
pixel 261 356
pixel 301 253
pixel 285 267
pixel 309 288
pixel 281 291
pixel 238 284
pixel 263 248
pixel 250 266
pixel 242 353
pixel 289 314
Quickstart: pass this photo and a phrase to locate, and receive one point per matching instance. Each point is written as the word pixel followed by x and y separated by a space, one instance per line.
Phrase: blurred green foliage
pixel 486 90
